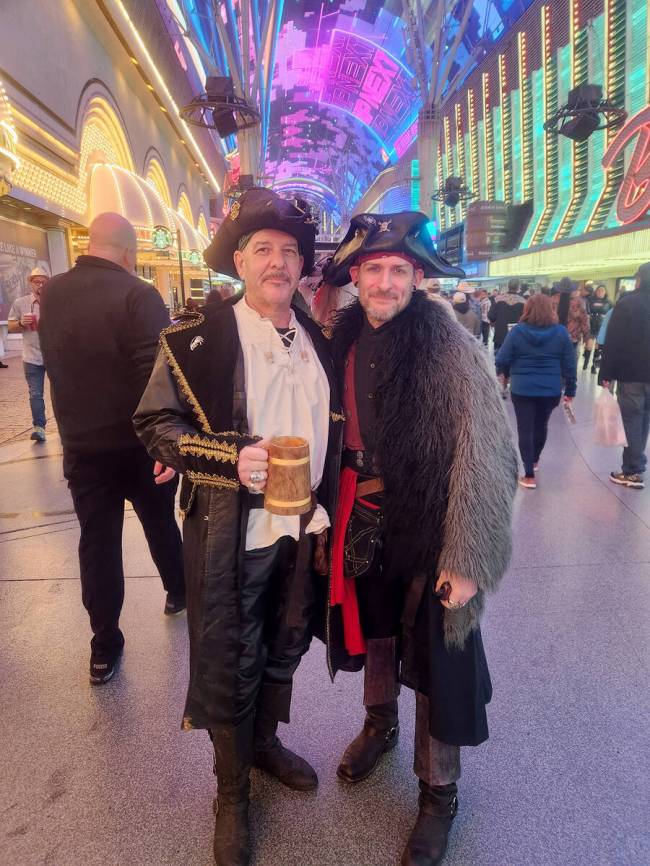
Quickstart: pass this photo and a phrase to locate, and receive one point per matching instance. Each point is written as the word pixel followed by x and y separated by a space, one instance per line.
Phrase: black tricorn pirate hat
pixel 399 233
pixel 256 209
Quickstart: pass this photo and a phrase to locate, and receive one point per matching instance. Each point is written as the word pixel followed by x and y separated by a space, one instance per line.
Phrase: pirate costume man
pixel 221 382
pixel 428 476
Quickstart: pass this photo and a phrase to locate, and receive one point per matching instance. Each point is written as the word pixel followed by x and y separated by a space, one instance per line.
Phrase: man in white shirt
pixel 222 387
pixel 23 319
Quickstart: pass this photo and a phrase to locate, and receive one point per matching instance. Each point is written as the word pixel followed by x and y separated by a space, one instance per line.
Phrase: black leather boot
pixel 380 733
pixel 233 756
pixel 595 364
pixel 270 755
pixel 428 841
pixel 585 358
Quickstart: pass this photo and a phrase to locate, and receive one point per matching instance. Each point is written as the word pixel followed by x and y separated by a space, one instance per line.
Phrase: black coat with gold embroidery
pixel 192 417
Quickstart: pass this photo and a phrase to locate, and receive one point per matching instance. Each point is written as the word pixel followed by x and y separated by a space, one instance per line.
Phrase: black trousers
pixel 99 484
pixel 485 332
pixel 532 427
pixel 275 627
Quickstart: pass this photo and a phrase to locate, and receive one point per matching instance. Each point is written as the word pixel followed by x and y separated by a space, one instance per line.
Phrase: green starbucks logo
pixel 161 238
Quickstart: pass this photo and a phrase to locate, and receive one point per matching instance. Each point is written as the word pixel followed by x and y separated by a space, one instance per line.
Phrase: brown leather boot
pixel 380 733
pixel 428 841
pixel 233 756
pixel 269 753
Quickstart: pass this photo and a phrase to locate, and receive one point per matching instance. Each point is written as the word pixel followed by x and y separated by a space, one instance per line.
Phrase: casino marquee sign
pixel 633 201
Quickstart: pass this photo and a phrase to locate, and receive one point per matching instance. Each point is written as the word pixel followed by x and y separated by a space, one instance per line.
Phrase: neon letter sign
pixel 634 195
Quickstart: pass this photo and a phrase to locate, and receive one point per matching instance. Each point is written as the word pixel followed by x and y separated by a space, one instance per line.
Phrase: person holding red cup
pixel 23 319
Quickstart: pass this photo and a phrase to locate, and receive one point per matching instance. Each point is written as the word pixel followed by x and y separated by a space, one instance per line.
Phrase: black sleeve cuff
pixel 211 458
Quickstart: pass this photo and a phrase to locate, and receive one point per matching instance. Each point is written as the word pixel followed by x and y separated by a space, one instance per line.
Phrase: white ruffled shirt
pixel 287 394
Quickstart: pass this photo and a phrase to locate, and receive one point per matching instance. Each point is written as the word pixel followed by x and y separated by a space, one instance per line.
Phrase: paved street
pixel 15 417
pixel 105 777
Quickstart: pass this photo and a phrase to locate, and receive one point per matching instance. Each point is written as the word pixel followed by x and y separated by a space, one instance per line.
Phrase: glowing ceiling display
pixel 347 81
pixel 371 85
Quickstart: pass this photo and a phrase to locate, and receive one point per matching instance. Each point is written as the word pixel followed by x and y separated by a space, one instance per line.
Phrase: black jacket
pixel 597 308
pixel 99 332
pixel 626 354
pixel 505 310
pixel 192 416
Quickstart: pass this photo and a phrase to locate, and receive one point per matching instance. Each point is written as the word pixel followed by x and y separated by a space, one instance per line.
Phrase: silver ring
pixel 256 476
pixel 253 488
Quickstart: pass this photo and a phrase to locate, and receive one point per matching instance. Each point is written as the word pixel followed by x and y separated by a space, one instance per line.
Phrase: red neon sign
pixel 634 195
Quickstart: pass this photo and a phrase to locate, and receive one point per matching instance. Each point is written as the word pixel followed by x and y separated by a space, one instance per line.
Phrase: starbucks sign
pixel 161 238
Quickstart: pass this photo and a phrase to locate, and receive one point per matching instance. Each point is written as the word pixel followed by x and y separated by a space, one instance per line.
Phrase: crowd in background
pixel 539 335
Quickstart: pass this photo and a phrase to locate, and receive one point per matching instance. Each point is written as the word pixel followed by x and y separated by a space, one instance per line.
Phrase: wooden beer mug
pixel 288 486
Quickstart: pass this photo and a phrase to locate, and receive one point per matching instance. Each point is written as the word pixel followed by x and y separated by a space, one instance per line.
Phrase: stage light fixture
pixel 220 109
pixel 453 192
pixel 585 112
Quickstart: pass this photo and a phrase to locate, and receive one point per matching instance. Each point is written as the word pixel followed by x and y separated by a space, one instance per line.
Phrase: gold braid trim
pixel 335 416
pixel 176 370
pixel 212 480
pixel 201 447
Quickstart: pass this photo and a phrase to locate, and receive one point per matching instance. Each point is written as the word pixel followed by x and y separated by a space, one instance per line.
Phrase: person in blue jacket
pixel 538 355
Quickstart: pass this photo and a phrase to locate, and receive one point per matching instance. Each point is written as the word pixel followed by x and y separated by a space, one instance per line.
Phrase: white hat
pixel 39 272
pixel 459 298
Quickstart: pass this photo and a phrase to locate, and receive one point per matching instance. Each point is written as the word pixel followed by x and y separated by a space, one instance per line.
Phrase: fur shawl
pixel 445 450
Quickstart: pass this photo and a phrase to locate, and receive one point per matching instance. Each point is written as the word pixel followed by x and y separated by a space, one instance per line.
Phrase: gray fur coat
pixel 445 451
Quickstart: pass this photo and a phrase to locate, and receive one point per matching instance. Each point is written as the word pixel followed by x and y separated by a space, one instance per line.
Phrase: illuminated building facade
pixel 89 122
pixel 591 199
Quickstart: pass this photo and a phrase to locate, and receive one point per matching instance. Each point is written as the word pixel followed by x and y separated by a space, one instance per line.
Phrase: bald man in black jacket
pixel 99 331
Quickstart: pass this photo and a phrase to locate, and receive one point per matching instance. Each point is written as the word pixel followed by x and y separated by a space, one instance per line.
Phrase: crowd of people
pixel 537 334
pixel 382 561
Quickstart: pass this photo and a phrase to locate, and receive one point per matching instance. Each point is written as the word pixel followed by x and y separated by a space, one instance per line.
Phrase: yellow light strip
pixel 119 5
pixel 521 56
pixel 460 150
pixel 487 139
pixel 117 187
pixel 502 102
pixel 546 53
pixel 609 133
pixel 9 130
pixel 139 181
pixel 24 120
pixel 11 156
pixel 10 138
pixel 473 138
pixel 33 155
pixel 450 164
pixel 573 29
pixel 440 205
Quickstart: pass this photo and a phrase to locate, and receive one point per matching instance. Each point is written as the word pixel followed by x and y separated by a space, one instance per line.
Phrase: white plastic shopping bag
pixel 608 426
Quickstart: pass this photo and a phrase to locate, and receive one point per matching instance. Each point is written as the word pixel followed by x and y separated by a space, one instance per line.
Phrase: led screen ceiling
pixel 345 91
